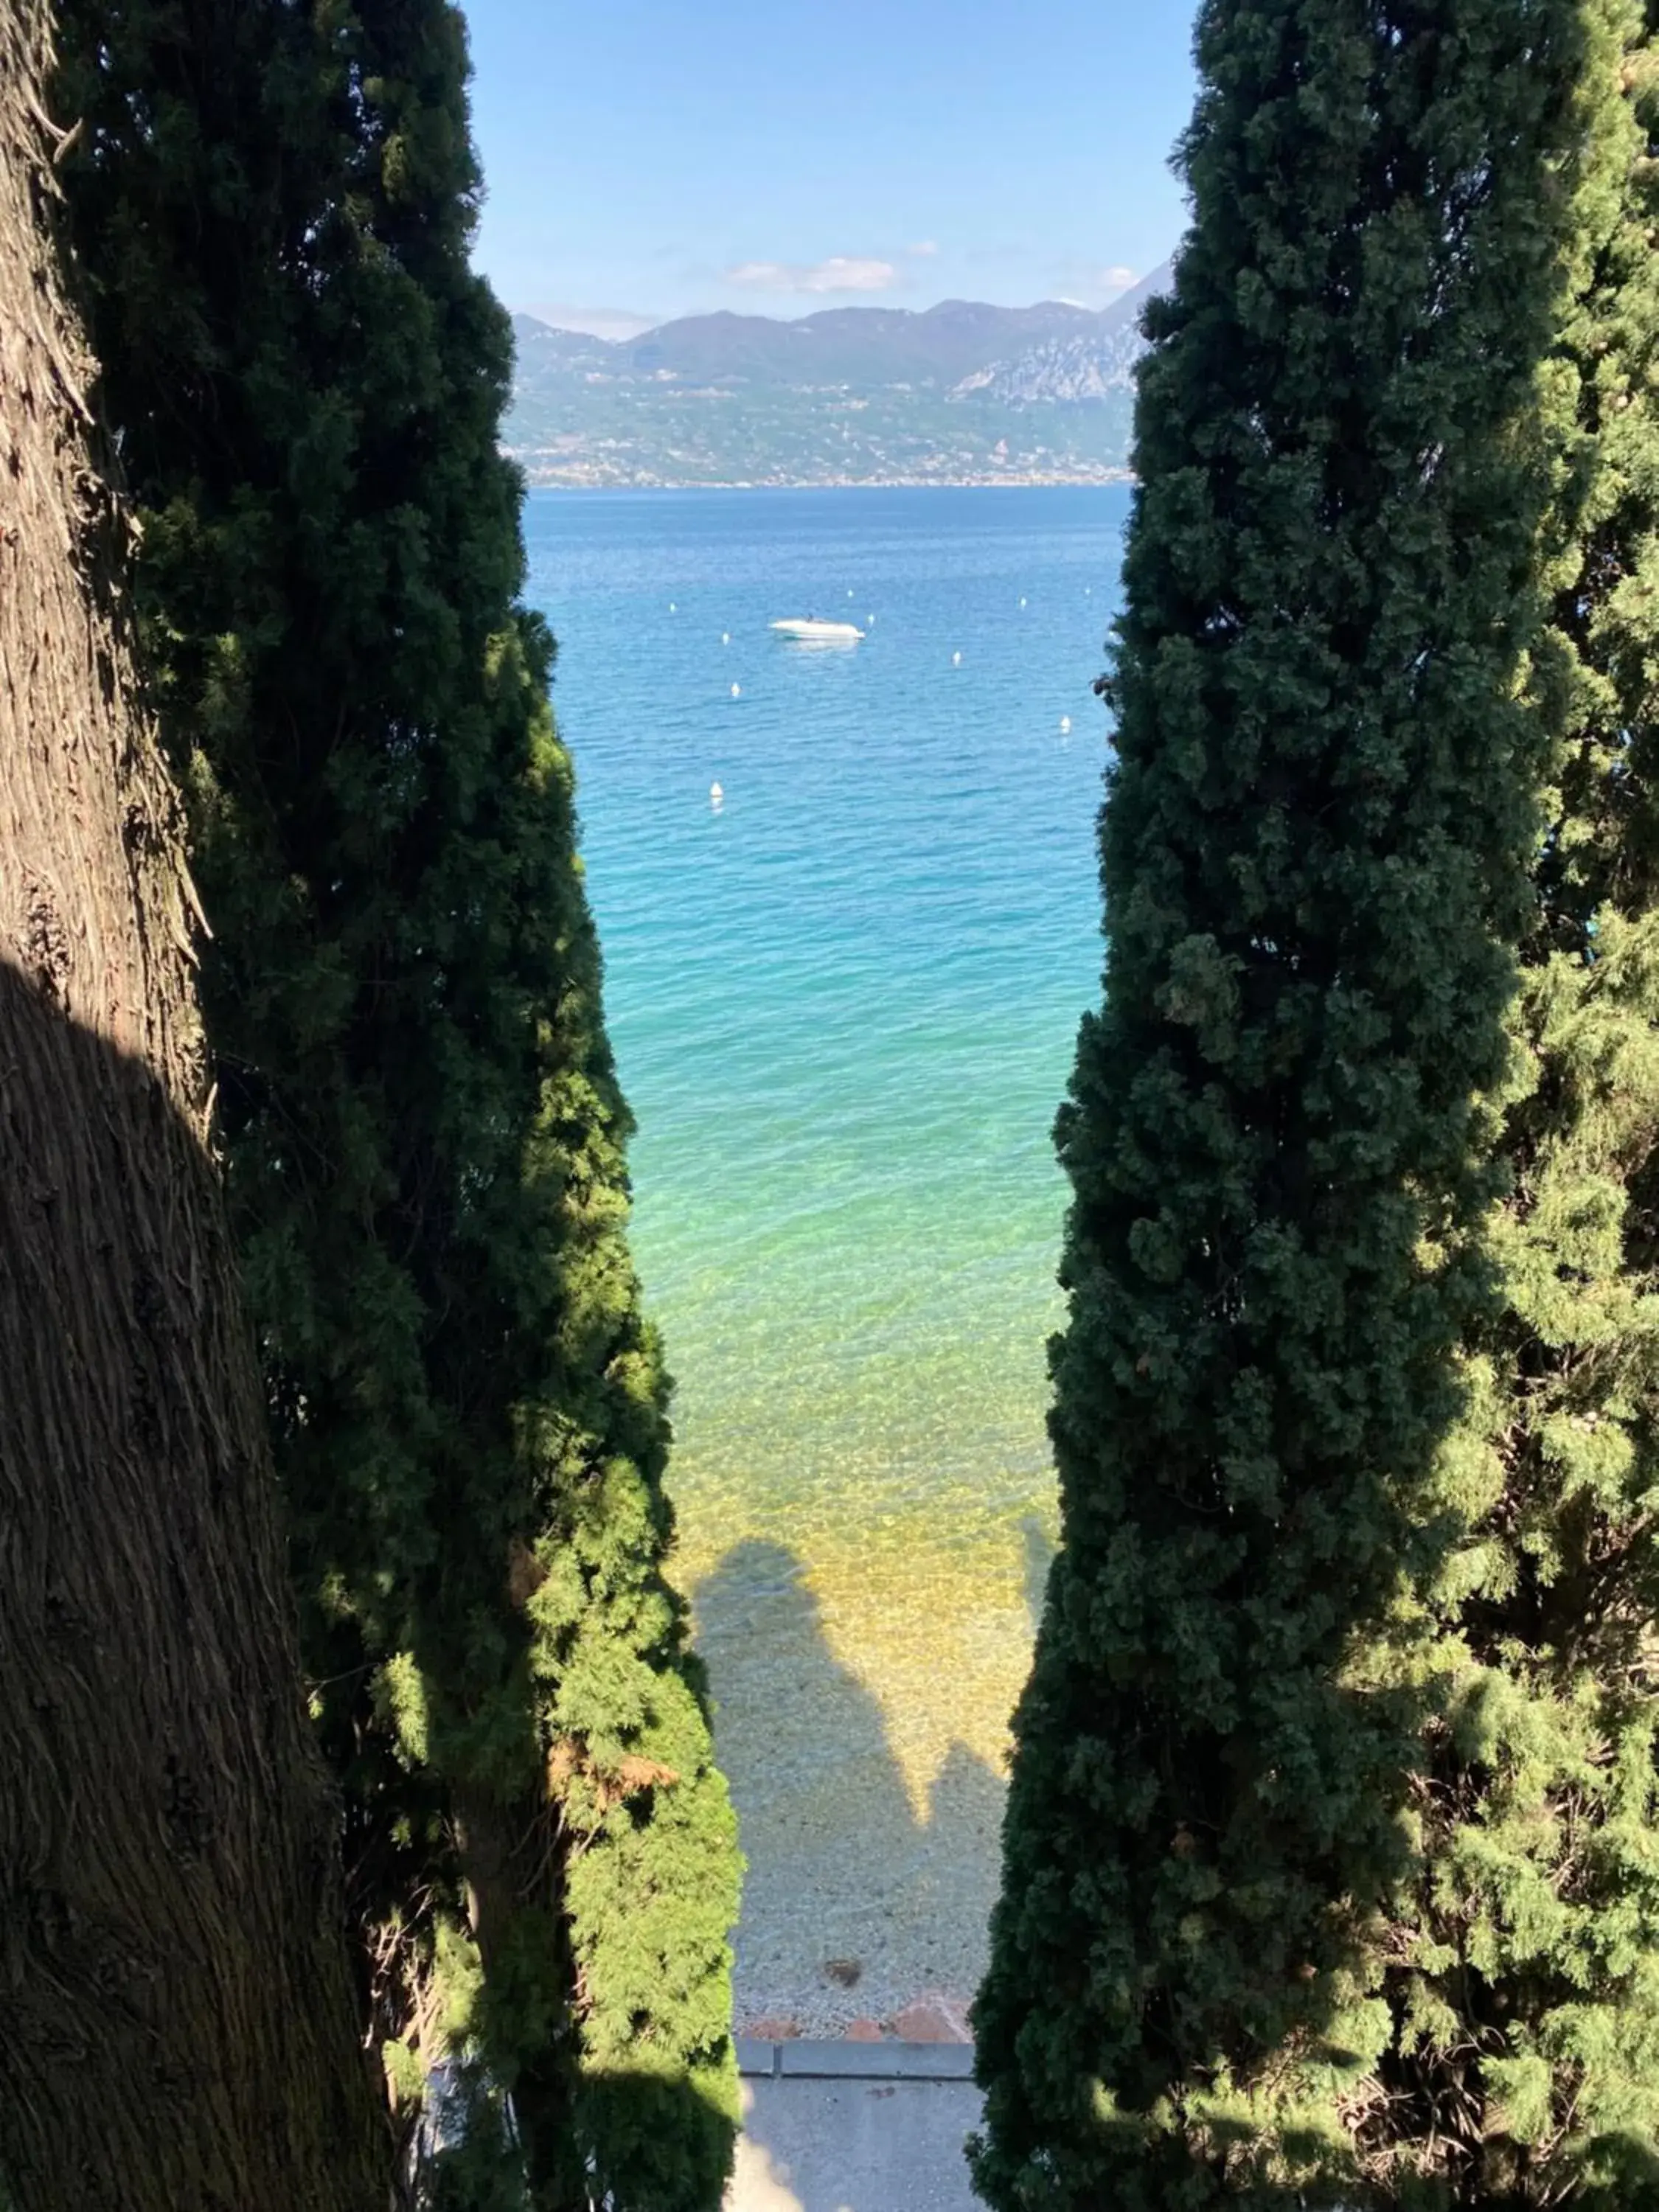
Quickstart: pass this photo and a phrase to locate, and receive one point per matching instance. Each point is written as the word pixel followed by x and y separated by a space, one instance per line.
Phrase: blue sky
pixel 655 158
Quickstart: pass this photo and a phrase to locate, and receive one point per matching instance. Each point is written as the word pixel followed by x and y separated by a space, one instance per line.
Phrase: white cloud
pixel 1092 283
pixel 842 272
pixel 924 249
pixel 613 323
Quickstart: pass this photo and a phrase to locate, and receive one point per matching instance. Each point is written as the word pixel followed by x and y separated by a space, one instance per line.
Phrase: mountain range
pixel 959 393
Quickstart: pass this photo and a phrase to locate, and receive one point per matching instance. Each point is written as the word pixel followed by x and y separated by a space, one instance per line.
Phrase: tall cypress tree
pixel 1313 847
pixel 425 1135
pixel 1526 2069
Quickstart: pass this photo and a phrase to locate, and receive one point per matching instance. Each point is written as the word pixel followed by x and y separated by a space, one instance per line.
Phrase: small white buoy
pixel 725 637
pixel 1088 590
pixel 672 609
pixel 1065 725
pixel 716 796
pixel 736 690
pixel 956 660
pixel 1021 603
pixel 849 595
pixel 870 621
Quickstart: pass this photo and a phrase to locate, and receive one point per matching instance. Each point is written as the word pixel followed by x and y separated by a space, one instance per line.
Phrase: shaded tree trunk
pixel 176 2020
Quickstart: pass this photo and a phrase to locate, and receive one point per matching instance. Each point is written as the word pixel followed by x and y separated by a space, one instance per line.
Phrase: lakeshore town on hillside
pixel 961 394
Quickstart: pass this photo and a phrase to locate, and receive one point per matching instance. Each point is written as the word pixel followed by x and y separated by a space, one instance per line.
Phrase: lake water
pixel 843 1001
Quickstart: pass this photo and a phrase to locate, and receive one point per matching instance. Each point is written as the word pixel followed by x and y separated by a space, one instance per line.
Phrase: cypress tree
pixel 425 1135
pixel 178 2033
pixel 1314 846
pixel 1526 2069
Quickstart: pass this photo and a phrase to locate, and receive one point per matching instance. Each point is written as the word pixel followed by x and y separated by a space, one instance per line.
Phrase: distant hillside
pixel 1077 371
pixel 961 394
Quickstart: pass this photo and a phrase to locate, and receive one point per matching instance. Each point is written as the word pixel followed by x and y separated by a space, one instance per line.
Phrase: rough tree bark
pixel 176 2029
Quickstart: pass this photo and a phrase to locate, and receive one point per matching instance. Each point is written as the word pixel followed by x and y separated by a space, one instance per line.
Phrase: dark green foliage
pixel 1527 2062
pixel 424 1133
pixel 1315 851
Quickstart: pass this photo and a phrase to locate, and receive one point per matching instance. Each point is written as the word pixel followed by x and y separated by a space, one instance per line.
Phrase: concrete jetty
pixel 854 2127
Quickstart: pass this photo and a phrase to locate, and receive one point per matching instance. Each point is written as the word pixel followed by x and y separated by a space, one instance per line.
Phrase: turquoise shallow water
pixel 843 1002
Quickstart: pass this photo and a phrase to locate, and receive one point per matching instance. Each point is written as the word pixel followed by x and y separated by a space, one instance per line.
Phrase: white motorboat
pixel 811 628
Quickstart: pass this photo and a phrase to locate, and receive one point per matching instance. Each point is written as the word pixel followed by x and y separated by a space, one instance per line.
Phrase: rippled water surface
pixel 843 1001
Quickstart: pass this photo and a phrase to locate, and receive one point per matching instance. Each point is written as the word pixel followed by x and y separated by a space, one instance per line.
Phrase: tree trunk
pixel 177 2022
pixel 514 1907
